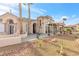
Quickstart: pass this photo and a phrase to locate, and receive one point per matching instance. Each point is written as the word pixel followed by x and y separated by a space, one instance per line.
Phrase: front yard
pixel 44 47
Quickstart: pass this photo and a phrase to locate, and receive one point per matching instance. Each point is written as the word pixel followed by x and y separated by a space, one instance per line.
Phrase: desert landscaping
pixel 48 46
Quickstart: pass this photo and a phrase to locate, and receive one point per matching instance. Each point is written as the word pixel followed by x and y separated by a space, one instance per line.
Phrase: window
pixel 11 22
pixel 26 28
pixel 1 27
pixel 0 20
pixel 40 22
pixel 46 28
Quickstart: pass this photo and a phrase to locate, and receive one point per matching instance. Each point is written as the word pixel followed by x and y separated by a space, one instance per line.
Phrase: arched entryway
pixel 34 28
pixel 54 29
pixel 11 27
pixel 49 28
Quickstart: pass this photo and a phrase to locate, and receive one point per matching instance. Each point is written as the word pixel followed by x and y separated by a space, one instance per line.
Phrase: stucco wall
pixel 5 19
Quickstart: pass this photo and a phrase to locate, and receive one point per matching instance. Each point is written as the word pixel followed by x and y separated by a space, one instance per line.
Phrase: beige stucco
pixel 41 24
pixel 5 20
pixel 42 21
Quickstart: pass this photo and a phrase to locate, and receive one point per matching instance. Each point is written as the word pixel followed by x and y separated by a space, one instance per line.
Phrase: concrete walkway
pixel 32 37
pixel 6 40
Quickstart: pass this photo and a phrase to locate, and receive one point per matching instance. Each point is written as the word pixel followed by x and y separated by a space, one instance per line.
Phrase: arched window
pixel 11 21
pixel 11 26
pixel 40 22
pixel 34 28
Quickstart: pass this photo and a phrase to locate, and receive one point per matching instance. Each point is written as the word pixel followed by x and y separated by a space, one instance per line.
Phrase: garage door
pixel 1 27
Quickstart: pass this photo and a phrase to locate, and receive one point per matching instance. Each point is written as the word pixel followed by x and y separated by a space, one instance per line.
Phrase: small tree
pixel 69 30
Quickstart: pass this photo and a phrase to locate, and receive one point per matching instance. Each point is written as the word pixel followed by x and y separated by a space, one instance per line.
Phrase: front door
pixel 11 29
pixel 34 28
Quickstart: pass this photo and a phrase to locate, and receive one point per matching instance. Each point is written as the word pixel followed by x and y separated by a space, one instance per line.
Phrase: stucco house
pixel 10 25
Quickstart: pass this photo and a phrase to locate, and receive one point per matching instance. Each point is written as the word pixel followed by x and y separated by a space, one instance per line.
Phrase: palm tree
pixel 64 19
pixel 29 15
pixel 20 17
pixel 29 12
pixel 61 47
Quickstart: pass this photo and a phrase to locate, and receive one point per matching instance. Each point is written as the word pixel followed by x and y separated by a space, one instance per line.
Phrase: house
pixel 10 25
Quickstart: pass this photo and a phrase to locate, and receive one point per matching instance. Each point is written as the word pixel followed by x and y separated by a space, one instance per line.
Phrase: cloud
pixel 43 10
pixel 77 19
pixel 6 7
pixel 35 11
pixel 73 16
pixel 13 7
pixel 53 17
pixel 72 21
pixel 38 12
pixel 8 4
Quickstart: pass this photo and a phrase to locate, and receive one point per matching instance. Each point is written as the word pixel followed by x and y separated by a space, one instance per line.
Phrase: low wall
pixel 9 41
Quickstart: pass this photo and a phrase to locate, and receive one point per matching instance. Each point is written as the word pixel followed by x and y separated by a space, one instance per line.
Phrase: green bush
pixel 69 30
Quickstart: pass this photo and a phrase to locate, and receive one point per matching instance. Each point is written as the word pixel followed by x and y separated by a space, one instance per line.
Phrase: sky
pixel 56 10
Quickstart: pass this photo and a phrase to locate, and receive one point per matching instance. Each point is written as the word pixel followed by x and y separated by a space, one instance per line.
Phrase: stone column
pixel 5 29
pixel 15 27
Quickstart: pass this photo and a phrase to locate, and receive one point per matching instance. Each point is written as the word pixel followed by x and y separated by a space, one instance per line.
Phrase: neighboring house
pixel 77 27
pixel 74 28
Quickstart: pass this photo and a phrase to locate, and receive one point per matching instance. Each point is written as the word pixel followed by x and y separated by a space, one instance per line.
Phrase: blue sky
pixel 56 10
pixel 59 10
